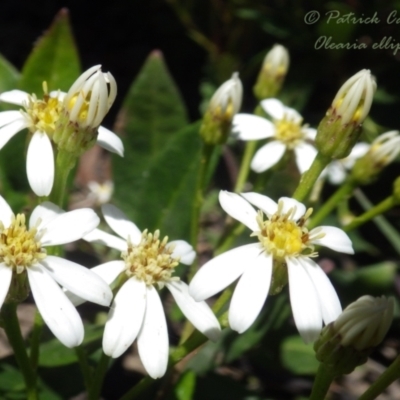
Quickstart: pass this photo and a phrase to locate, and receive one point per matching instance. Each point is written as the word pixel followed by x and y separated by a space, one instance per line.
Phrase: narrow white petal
pixel 120 223
pixel 237 207
pixel 197 312
pixel 304 301
pixel 17 97
pixel 305 154
pixel 99 236
pixel 336 172
pixel 57 94
pixel 6 213
pixel 56 310
pixel 267 156
pixel 43 214
pixel 5 281
pixel 358 151
pixel 292 115
pixel 40 164
pixel 152 341
pixel 183 250
pixel 70 226
pixel 334 239
pixel 289 203
pixel 8 131
pixel 6 117
pixel 252 127
pixel 79 280
pixel 125 318
pixel 250 293
pixel 310 133
pixel 110 141
pixel 274 108
pixel 328 298
pixel 221 271
pixel 263 203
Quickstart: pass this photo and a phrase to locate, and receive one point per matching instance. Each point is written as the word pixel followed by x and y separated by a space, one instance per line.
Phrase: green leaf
pixel 9 76
pixel 184 388
pixel 155 181
pixel 298 357
pixel 54 59
pixel 11 379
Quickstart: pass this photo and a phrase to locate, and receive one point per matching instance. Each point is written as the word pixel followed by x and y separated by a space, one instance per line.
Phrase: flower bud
pixel 340 129
pixel 346 343
pixel 224 104
pixel 396 189
pixel 84 108
pixel 272 73
pixel 384 149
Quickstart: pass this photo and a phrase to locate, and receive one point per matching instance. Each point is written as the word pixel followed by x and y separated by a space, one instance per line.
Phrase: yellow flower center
pixel 19 247
pixel 43 114
pixel 282 237
pixel 83 111
pixel 151 260
pixel 289 132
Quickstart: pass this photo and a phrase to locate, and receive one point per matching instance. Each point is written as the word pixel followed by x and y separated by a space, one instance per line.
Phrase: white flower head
pixel 22 250
pixel 364 323
pixel 385 148
pixel 42 117
pixel 100 193
pixel 354 99
pixel 276 61
pixel 283 242
pixel 148 263
pixel 285 131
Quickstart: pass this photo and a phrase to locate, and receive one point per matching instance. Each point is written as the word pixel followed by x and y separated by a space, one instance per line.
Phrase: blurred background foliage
pixel 168 57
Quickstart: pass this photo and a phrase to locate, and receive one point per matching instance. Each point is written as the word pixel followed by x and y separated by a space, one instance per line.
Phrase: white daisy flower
pixel 137 312
pixel 284 247
pixel 285 131
pixel 87 102
pixel 22 251
pixel 337 170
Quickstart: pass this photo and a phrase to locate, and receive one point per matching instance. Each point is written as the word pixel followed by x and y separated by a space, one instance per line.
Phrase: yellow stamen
pixel 289 132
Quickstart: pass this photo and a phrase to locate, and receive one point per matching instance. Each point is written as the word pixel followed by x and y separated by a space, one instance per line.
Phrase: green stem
pixel 310 176
pixel 245 165
pixel 322 383
pixel 331 203
pixel 379 209
pixel 64 164
pixel 388 377
pixel 13 331
pixel 84 365
pixel 35 340
pixel 97 381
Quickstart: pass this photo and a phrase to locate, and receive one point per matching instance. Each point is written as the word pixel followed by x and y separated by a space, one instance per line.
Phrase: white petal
pixel 250 293
pixel 107 239
pixel 125 318
pixel 289 203
pixel 198 313
pixel 310 133
pixel 336 172
pixel 5 281
pixel 328 298
pixel 40 164
pixel 221 271
pixel 110 141
pixel 183 250
pixel 334 239
pixel 6 117
pixel 79 280
pixel 8 131
pixel 252 127
pixel 305 154
pixel 237 207
pixel 263 203
pixel 56 310
pixel 267 156
pixel 304 301
pixel 17 97
pixel 43 214
pixel 152 341
pixel 120 224
pixel 274 108
pixel 57 94
pixel 70 226
pixel 6 213
pixel 358 151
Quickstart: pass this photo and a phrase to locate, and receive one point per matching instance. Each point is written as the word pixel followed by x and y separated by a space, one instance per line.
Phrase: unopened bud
pixel 272 73
pixel 224 104
pixel 340 129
